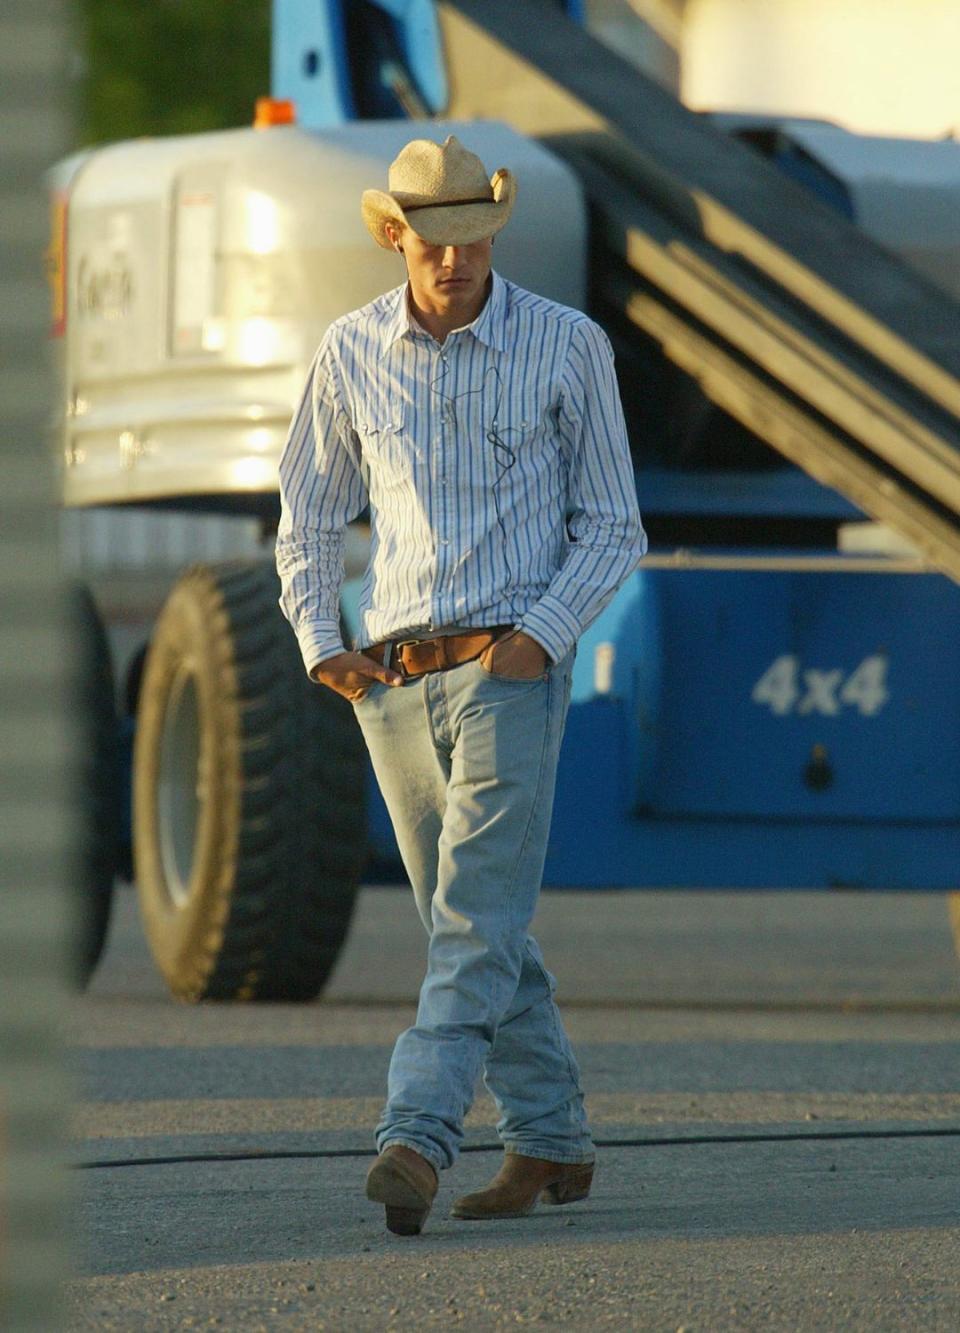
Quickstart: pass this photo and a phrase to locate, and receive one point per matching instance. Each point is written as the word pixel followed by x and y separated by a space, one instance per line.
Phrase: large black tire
pixel 248 821
pixel 98 793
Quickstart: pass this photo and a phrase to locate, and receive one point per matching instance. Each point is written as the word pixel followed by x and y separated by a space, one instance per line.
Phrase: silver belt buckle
pixel 394 649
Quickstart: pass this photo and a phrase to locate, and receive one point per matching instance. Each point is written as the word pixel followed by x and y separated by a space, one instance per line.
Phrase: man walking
pixel 482 426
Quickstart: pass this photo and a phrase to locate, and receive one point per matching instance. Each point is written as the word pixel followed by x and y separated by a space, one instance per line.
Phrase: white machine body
pixel 200 272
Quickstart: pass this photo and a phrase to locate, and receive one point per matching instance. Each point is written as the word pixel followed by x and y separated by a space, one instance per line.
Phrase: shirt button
pixel 444 541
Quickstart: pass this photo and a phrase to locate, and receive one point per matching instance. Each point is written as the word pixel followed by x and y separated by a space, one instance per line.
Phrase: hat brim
pixel 448 224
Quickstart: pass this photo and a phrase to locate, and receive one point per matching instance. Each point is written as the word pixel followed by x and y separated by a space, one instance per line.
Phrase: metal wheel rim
pixel 180 788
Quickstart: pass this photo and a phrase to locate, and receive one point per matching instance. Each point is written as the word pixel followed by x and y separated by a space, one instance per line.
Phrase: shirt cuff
pixel 318 641
pixel 553 625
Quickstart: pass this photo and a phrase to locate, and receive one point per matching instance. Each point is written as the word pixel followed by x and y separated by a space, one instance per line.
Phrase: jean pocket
pixel 371 689
pixel 538 679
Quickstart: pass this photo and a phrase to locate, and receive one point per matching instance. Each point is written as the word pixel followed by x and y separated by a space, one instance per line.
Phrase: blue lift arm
pixel 793 322
pixel 343 60
pixel 745 721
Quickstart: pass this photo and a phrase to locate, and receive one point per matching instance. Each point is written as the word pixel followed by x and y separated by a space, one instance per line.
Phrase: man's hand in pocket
pixel 352 674
pixel 517 656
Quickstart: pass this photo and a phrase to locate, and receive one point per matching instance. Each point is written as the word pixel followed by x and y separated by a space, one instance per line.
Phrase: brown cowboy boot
pixel 520 1182
pixel 406 1184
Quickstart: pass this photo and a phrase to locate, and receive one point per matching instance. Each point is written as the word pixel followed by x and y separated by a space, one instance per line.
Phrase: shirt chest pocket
pixel 519 431
pixel 384 447
pixel 516 411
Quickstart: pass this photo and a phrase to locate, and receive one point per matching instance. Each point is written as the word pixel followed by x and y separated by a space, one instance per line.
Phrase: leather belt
pixel 417 657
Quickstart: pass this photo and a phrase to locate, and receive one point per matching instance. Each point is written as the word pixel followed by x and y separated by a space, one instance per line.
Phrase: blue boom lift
pixel 755 709
pixel 762 706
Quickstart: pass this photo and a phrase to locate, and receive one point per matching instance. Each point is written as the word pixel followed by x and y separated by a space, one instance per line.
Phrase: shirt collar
pixel 398 321
pixel 489 326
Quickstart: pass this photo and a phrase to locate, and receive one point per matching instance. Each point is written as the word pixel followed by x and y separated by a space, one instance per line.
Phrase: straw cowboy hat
pixel 441 191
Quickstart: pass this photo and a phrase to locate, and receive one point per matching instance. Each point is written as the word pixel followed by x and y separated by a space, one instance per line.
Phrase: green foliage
pixel 171 66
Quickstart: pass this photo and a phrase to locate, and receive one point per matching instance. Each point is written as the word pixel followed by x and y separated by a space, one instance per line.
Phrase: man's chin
pixel 456 293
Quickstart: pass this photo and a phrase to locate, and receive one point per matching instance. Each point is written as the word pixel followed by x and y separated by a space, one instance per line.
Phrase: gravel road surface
pixel 773 1080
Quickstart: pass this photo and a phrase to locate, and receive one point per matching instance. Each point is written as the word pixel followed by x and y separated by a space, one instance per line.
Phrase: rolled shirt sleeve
pixel 321 491
pixel 606 536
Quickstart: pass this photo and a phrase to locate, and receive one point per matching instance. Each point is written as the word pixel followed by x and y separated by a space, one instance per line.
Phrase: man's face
pixel 445 278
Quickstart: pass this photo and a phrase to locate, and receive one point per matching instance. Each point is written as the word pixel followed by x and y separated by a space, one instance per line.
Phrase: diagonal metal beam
pixel 796 434
pixel 807 328
pixel 537 69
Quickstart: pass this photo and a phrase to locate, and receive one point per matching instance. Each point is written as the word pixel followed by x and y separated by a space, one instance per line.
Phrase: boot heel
pixel 571 1189
pixel 405 1221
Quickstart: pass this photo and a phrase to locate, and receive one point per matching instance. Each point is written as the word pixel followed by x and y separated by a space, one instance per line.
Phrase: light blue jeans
pixel 467 762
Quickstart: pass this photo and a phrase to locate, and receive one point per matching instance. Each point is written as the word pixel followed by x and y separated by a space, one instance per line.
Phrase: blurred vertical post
pixel 37 744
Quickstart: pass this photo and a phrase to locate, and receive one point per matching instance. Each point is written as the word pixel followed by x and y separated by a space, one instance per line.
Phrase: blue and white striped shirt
pixel 496 470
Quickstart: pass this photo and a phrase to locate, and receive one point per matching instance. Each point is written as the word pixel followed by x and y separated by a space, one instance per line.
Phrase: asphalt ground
pixel 773 1082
